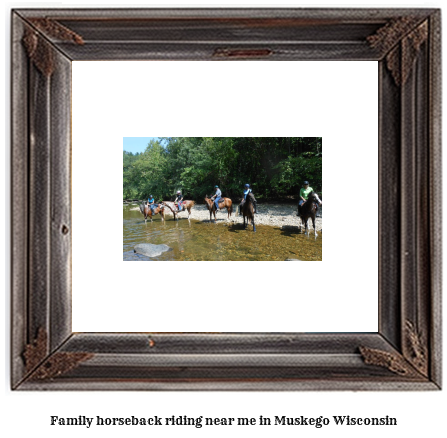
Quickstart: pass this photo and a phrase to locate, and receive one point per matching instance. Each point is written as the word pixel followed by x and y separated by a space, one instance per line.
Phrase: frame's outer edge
pixel 418 75
pixel 232 385
pixel 347 14
pixel 415 105
pixel 435 183
pixel 19 200
pixel 420 348
pixel 206 44
pixel 228 361
pixel 414 199
pixel 41 214
pixel 420 176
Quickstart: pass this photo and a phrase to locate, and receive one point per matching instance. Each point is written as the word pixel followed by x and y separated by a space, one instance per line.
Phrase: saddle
pixel 220 201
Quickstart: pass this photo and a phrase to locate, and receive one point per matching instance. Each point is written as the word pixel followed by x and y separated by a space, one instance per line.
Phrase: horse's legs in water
pixel 313 223
pixel 253 222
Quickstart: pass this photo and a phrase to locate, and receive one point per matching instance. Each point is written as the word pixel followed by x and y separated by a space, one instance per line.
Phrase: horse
pixel 309 210
pixel 147 211
pixel 187 205
pixel 223 203
pixel 248 210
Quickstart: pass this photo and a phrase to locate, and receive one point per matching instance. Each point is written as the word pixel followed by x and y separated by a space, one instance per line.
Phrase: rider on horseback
pixel 151 202
pixel 178 200
pixel 216 197
pixel 248 190
pixel 304 194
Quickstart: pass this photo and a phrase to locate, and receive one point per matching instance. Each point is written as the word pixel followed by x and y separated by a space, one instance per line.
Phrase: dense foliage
pixel 275 167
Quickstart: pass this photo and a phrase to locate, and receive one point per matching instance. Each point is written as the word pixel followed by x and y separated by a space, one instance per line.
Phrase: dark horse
pixel 147 211
pixel 309 210
pixel 223 203
pixel 248 210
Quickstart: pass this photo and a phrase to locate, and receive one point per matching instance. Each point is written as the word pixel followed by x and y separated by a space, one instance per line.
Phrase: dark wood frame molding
pixel 405 354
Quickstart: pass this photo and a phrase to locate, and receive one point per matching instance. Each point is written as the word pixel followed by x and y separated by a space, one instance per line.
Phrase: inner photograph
pixel 222 199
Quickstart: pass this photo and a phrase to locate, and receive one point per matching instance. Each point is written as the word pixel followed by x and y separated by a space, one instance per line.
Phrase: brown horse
pixel 187 205
pixel 309 210
pixel 248 210
pixel 147 211
pixel 223 203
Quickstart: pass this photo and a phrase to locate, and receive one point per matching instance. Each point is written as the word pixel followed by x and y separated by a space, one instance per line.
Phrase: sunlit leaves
pixel 273 166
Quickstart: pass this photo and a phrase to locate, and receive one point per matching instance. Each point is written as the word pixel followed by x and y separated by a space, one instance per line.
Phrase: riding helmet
pixel 247 185
pixel 306 183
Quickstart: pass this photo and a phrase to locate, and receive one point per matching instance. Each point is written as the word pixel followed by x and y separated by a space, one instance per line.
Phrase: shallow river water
pixel 202 240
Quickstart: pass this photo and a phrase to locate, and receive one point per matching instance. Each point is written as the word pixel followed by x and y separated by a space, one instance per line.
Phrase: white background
pixel 168 99
pixel 418 414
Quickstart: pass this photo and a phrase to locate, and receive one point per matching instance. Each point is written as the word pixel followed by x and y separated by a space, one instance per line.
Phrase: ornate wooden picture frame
pixel 405 353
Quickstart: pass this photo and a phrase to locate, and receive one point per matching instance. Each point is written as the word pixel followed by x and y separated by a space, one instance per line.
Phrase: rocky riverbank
pixel 268 214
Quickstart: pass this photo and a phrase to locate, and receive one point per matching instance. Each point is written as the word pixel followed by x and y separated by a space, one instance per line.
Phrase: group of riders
pixel 218 194
pixel 178 202
pixel 304 194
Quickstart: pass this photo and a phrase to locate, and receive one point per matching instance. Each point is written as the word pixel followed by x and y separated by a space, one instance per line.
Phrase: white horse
pixel 187 205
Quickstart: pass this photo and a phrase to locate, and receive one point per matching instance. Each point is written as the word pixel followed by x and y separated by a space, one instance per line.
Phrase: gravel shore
pixel 268 214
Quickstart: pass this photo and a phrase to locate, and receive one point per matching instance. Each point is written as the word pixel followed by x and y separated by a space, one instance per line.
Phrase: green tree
pixel 274 166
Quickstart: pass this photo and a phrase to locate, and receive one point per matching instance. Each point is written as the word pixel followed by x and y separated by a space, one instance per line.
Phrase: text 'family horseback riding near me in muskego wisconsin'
pixel 222 198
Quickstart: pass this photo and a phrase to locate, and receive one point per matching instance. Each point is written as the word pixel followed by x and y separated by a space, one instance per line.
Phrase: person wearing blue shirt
pixel 151 202
pixel 216 197
pixel 248 190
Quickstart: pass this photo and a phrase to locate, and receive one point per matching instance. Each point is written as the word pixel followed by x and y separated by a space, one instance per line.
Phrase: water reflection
pixel 197 240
